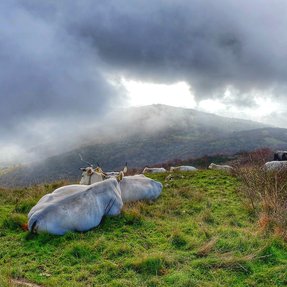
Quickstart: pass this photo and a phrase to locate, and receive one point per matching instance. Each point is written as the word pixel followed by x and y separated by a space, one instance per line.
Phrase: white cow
pixel 79 210
pixel 57 193
pixel 91 175
pixel 275 165
pixel 182 168
pixel 112 173
pixel 139 187
pixel 67 190
pixel 133 188
pixel 220 167
pixel 154 170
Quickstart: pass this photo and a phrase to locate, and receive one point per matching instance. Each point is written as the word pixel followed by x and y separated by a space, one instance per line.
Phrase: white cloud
pixel 263 109
pixel 143 93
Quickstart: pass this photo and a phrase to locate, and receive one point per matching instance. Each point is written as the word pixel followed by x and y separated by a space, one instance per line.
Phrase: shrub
pixel 267 195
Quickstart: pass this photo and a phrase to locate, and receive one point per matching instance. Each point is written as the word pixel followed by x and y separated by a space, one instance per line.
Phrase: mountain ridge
pixel 154 135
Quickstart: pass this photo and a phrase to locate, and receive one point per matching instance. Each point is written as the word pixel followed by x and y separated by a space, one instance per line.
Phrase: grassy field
pixel 198 233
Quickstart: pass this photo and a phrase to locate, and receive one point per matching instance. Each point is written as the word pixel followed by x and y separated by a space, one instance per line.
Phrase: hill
pixel 199 232
pixel 149 136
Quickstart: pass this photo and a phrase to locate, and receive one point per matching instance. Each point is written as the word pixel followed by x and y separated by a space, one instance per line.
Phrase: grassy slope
pixel 198 233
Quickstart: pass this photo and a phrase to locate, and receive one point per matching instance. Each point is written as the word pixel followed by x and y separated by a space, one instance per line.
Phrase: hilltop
pixel 199 232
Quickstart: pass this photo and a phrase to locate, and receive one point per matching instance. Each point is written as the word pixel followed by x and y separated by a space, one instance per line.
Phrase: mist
pixel 61 63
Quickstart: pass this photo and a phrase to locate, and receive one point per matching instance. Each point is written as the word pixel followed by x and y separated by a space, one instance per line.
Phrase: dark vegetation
pixel 201 231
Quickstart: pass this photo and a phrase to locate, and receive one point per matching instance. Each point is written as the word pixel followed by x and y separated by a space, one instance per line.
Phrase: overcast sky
pixel 64 63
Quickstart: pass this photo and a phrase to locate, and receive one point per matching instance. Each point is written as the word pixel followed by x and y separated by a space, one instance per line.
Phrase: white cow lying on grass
pixel 91 175
pixel 56 194
pixel 133 188
pixel 275 165
pixel 154 170
pixel 182 168
pixel 76 208
pixel 139 187
pixel 220 167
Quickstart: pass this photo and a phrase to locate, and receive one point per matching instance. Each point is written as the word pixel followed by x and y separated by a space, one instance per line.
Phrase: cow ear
pixel 99 170
pixel 125 170
pixel 120 176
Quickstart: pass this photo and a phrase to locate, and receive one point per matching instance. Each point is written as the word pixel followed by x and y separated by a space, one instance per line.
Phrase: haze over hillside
pixel 151 135
pixel 123 123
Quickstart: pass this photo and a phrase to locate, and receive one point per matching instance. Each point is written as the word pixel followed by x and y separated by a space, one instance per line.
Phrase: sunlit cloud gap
pixel 143 93
pixel 180 95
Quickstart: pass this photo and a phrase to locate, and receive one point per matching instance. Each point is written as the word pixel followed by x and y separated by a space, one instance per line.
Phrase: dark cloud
pixel 51 84
pixel 55 56
pixel 209 44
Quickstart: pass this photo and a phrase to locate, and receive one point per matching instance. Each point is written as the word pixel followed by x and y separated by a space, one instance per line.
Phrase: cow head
pixel 89 176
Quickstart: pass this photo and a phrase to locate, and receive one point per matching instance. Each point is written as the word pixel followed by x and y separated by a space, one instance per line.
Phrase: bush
pixel 267 195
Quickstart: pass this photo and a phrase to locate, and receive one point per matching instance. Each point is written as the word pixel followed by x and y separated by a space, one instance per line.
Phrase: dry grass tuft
pixel 207 247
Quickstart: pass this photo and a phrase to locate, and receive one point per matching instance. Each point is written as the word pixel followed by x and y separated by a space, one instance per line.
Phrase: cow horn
pixel 120 176
pixel 125 170
pixel 81 158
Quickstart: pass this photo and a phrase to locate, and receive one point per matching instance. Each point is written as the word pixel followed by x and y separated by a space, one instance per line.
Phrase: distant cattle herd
pixel 80 207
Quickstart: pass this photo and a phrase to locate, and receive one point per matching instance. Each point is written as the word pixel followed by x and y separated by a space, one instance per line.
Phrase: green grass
pixel 197 233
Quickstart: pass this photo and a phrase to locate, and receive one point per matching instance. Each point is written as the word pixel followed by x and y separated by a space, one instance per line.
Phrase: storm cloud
pixel 209 44
pixel 57 57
